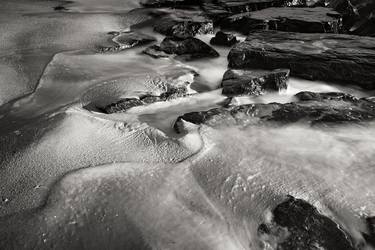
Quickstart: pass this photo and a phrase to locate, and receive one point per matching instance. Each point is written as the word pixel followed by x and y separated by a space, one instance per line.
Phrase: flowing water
pixel 74 177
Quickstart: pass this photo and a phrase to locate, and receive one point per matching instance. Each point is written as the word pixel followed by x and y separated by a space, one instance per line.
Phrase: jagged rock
pixel 296 224
pixel 155 52
pixel 306 20
pixel 311 108
pixel 224 39
pixel 188 49
pixel 184 24
pixel 253 82
pixel 127 40
pixel 344 59
pixel 123 105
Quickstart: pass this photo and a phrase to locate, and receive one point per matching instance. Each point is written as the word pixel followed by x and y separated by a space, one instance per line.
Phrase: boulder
pixel 188 49
pixel 184 24
pixel 344 59
pixel 310 108
pixel 306 20
pixel 296 224
pixel 223 39
pixel 253 82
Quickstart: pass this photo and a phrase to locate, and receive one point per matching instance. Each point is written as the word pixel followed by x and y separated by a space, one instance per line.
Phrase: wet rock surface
pixel 253 82
pixel 310 56
pixel 125 104
pixel 296 224
pixel 223 39
pixel 169 3
pixel 184 24
pixel 305 20
pixel 187 49
pixel 127 40
pixel 311 108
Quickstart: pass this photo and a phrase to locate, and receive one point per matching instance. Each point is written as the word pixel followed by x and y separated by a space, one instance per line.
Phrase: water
pixel 127 179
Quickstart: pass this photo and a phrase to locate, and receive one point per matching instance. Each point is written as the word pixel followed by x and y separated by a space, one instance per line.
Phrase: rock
pixel 296 224
pixel 188 49
pixel 306 20
pixel 123 105
pixel 253 82
pixel 238 6
pixel 327 57
pixel 127 40
pixel 370 236
pixel 224 39
pixel 310 108
pixel 184 24
pixel 171 92
pixel 169 3
pixel 155 52
pixel 60 8
pixel 358 15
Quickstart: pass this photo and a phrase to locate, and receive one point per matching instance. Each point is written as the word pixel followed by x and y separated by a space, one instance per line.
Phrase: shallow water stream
pixel 74 177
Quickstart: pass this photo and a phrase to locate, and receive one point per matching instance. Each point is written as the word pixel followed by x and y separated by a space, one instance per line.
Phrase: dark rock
pixel 370 236
pixel 150 99
pixel 253 82
pixel 343 59
pixel 215 12
pixel 169 3
pixel 174 92
pixel 155 52
pixel 184 24
pixel 298 225
pixel 60 8
pixel 358 15
pixel 306 20
pixel 224 39
pixel 311 108
pixel 123 105
pixel 171 92
pixel 188 49
pixel 238 6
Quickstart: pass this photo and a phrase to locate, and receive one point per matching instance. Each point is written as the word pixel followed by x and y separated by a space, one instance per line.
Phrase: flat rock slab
pixel 306 20
pixel 186 49
pixel 296 224
pixel 184 24
pixel 311 108
pixel 253 82
pixel 344 59
pixel 238 6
